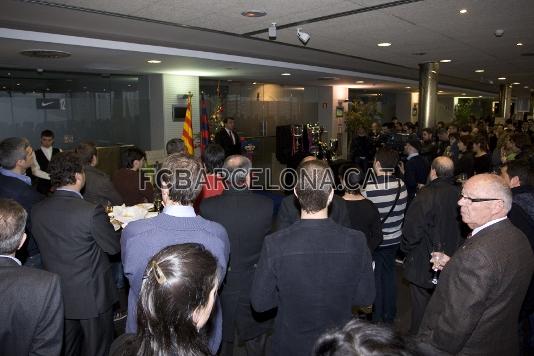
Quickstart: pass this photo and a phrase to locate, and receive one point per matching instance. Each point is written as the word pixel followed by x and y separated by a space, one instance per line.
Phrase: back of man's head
pixel 130 155
pixel 12 224
pixel 238 169
pixel 522 169
pixel 443 166
pixel 181 175
pixel 47 133
pixel 174 145
pixel 12 149
pixel 387 158
pixel 86 151
pixel 315 182
pixel 63 168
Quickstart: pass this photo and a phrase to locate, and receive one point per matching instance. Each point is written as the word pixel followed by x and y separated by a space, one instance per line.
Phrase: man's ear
pixel 24 236
pixel 514 182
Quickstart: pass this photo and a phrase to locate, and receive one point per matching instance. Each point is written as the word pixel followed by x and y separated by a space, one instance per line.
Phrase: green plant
pixel 462 110
pixel 360 114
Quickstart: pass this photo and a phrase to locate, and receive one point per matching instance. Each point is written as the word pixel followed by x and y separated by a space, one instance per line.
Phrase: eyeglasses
pixel 477 200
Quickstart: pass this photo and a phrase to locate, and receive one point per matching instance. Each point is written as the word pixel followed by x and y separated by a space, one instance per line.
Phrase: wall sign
pixel 48 104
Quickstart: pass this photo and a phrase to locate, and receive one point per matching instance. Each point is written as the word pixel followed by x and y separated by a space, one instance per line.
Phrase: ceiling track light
pixel 303 37
pixel 272 31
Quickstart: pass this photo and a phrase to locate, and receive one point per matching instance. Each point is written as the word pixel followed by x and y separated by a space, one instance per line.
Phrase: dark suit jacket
pixel 25 195
pixel 74 237
pixel 223 138
pixel 99 189
pixel 475 307
pixel 314 272
pixel 246 239
pixel 416 172
pixel 31 311
pixel 289 212
pixel 433 216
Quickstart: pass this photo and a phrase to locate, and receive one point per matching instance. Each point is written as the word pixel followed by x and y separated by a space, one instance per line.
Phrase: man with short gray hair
pixel 240 324
pixel 475 307
pixel 16 156
pixel 32 308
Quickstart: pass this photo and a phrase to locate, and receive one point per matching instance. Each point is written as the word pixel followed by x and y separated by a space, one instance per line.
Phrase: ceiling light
pixel 463 94
pixel 463 11
pixel 384 44
pixel 303 37
pixel 516 83
pixel 480 96
pixel 360 82
pixel 525 87
pixel 254 13
pixel 286 74
pixel 501 78
pixel 519 44
pixel 445 60
pixel 18 84
pixel 408 87
pixel 253 83
pixel 479 70
pixel 440 91
pixel 153 61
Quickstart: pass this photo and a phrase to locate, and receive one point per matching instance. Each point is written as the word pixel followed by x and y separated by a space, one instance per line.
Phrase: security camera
pixel 303 36
pixel 272 31
pixel 499 33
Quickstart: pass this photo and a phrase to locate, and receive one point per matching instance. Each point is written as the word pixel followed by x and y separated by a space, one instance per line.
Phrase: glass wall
pixel 106 109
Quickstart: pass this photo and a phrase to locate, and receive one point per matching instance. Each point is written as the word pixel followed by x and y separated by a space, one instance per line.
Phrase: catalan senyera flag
pixel 204 126
pixel 187 134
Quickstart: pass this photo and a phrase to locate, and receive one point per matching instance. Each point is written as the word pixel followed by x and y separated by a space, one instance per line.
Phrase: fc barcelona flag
pixel 204 126
pixel 187 134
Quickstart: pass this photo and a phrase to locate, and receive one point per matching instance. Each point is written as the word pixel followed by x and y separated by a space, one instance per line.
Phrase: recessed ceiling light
pixel 286 74
pixel 408 87
pixel 463 11
pixel 440 91
pixel 253 83
pixel 129 85
pixel 153 61
pixel 18 84
pixel 229 80
pixel 525 87
pixel 445 60
pixel 480 96
pixel 47 89
pixel 384 44
pixel 360 82
pixel 519 44
pixel 516 83
pixel 479 70
pixel 254 13
pixel 501 78
pixel 463 94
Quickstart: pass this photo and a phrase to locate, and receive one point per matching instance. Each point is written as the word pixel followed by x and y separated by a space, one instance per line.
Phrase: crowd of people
pixel 223 270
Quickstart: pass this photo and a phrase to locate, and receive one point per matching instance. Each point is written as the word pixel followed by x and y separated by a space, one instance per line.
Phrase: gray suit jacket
pixel 475 307
pixel 99 189
pixel 31 311
pixel 74 237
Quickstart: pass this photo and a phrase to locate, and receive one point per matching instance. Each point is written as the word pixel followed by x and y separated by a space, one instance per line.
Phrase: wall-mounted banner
pixel 48 104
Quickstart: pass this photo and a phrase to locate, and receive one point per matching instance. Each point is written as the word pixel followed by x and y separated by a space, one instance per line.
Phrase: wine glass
pixel 157 203
pixel 108 207
pixel 437 247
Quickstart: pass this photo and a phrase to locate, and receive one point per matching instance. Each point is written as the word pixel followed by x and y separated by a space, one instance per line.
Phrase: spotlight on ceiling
pixel 304 37
pixel 272 31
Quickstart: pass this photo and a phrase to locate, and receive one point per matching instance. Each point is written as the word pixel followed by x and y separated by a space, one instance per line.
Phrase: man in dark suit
pixel 98 186
pixel 475 307
pixel 431 224
pixel 416 169
pixel 289 210
pixel 16 156
pixel 43 156
pixel 32 309
pixel 240 323
pixel 74 237
pixel 228 138
pixel 314 271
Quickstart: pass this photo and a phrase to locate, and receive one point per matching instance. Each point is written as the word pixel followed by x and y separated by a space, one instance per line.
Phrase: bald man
pixel 475 307
pixel 431 224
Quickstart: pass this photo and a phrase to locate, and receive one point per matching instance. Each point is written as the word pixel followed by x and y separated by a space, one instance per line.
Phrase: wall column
pixel 505 100
pixel 428 83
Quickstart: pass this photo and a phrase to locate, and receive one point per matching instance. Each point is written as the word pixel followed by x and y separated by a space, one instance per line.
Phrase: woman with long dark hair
pixel 482 160
pixel 466 161
pixel 177 296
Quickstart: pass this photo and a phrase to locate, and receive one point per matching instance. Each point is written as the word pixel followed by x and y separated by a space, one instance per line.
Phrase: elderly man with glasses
pixel 475 307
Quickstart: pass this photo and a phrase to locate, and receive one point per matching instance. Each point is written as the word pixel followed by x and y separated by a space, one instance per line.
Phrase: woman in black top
pixel 177 295
pixel 466 161
pixel 482 160
pixel 363 214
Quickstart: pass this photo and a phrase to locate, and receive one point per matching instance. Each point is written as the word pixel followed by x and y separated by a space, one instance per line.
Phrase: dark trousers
pixel 385 306
pixel 419 298
pixel 89 337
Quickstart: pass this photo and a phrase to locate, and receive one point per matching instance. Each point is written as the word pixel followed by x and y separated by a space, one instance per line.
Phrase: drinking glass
pixel 437 247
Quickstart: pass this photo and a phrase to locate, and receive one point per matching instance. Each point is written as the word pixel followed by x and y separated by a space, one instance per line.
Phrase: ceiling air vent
pixel 45 53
